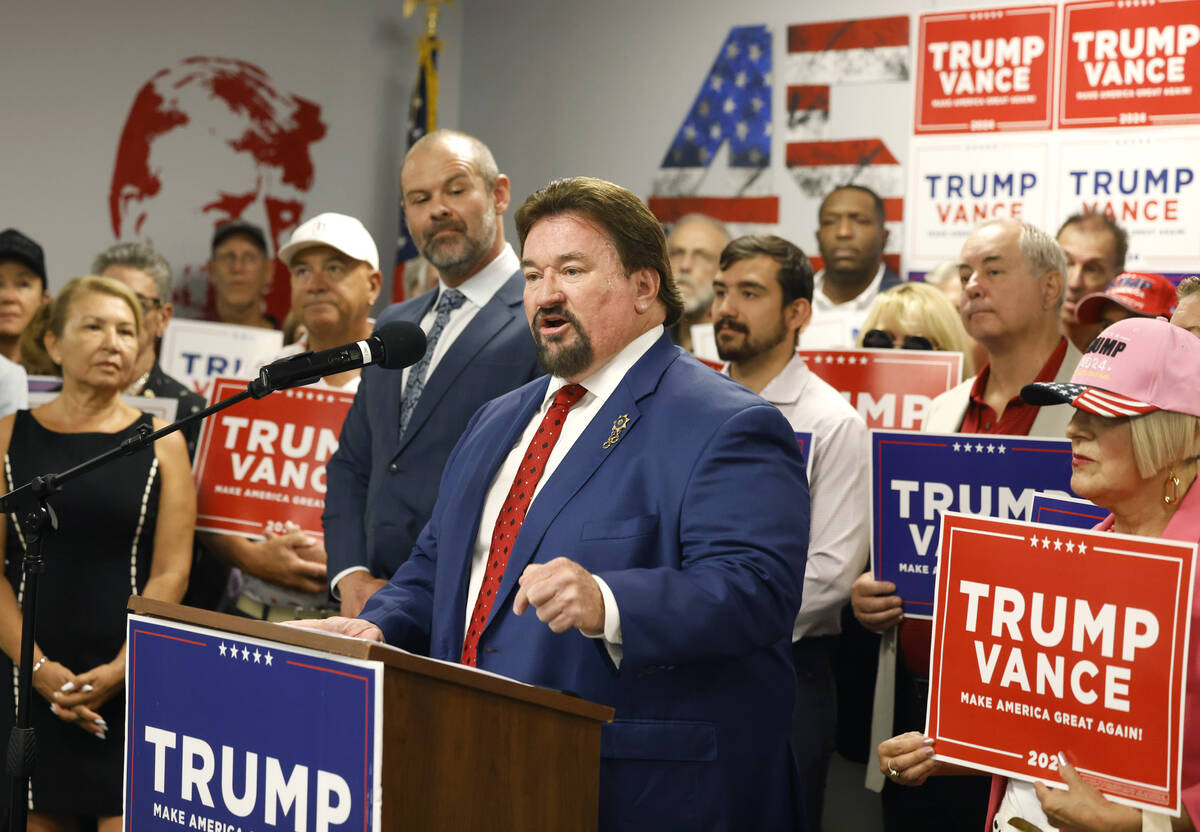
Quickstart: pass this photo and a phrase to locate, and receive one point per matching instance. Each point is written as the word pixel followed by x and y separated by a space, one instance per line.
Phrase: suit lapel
pixel 483 327
pixel 475 492
pixel 583 459
pixel 413 313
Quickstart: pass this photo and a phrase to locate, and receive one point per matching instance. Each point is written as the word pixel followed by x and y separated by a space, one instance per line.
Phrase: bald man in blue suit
pixel 659 566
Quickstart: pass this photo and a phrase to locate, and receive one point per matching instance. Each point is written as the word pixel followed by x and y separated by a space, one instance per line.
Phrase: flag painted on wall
pixel 719 161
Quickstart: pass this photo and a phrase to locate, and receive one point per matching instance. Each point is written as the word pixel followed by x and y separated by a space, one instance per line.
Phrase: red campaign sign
pixel 888 388
pixel 985 70
pixel 1128 63
pixel 1048 639
pixel 262 462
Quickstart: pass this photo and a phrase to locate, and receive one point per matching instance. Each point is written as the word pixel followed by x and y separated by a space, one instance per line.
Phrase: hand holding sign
pixel 875 603
pixel 1081 806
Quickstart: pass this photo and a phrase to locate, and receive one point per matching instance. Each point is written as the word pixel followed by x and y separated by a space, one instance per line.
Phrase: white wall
pixel 72 70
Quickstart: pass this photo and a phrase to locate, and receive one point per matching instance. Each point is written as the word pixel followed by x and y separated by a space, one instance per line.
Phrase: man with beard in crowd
pixel 694 246
pixel 763 302
pixel 383 480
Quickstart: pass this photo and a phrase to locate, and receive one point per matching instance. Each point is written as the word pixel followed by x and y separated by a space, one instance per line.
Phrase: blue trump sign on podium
pixel 917 476
pixel 232 734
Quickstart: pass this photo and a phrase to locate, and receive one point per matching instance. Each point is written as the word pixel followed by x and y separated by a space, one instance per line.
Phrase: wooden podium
pixel 461 749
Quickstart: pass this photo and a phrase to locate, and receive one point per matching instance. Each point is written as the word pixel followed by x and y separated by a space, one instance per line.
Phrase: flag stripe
pixel 760 209
pixel 849 34
pixel 840 152
pixel 805 97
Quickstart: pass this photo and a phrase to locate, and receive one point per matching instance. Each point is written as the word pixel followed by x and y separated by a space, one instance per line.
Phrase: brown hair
pixel 795 273
pixel 635 232
pixel 34 358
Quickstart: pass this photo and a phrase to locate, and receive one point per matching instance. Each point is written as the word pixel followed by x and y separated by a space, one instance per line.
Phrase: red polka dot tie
pixel 512 513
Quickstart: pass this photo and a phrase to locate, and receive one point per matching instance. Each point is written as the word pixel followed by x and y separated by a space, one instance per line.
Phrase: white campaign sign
pixel 195 352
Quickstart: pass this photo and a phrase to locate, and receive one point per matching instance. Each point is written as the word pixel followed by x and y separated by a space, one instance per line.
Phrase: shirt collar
pixel 860 303
pixel 481 286
pixel 786 387
pixel 604 381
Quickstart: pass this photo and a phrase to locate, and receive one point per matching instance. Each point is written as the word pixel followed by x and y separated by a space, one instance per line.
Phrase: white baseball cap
pixel 344 233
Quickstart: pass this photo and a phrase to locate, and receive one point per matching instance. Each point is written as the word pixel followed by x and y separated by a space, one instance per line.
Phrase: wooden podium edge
pixel 373 651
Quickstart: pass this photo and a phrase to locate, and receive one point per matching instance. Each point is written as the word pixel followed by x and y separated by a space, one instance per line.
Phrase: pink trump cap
pixel 1137 365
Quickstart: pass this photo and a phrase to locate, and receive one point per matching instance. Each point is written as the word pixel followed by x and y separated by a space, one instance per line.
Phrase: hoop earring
pixel 1171 489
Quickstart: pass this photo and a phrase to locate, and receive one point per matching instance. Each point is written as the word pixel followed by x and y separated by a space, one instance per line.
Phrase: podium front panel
pixel 229 732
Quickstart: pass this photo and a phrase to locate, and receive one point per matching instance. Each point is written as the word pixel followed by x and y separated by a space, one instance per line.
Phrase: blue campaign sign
pixel 236 734
pixel 917 476
pixel 804 439
pixel 1067 511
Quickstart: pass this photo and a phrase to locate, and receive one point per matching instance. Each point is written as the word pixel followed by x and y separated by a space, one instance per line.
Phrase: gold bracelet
pixel 38 664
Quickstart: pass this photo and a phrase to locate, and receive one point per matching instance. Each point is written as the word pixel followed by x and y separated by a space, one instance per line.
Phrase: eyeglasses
pixel 148 304
pixel 880 340
pixel 248 258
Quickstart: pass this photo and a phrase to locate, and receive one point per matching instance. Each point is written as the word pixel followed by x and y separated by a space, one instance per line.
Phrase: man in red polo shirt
pixel 1012 276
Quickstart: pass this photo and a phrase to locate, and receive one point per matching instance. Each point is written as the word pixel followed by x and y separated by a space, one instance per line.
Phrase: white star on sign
pixel 1001 448
pixel 222 648
pixel 257 655
pixel 1033 541
pixel 991 449
pixel 755 52
pixel 245 654
pixel 267 658
pixel 967 447
pixel 1045 543
pixel 1057 545
pixel 841 359
pixel 731 51
pixel 233 651
pixel 1070 546
pixel 957 447
pixel 740 80
pixel 729 106
pixel 978 447
pixel 1082 548
pixel 715 83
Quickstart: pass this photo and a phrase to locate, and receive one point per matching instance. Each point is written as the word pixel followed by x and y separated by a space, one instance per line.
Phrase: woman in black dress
pixel 124 528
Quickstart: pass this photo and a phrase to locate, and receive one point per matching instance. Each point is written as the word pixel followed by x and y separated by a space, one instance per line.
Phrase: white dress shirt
pixel 836 325
pixel 478 290
pixel 599 385
pixel 839 535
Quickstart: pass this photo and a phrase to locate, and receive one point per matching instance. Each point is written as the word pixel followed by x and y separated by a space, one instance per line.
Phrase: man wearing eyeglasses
pixel 239 273
pixel 763 301
pixel 334 266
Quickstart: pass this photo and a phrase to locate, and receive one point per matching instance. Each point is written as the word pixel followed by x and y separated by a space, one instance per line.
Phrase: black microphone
pixel 393 346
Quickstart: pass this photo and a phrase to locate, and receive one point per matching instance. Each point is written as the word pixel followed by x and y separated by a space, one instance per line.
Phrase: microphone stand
pixel 36 519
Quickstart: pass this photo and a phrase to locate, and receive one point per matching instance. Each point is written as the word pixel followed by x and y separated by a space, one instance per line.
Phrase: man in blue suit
pixel 383 480
pixel 632 527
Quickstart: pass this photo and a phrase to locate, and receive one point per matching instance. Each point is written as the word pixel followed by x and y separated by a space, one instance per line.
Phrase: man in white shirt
pixel 851 235
pixel 631 528
pixel 384 478
pixel 763 297
pixel 334 267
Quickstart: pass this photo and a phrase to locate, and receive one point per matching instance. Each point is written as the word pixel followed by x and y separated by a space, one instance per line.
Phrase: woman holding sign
pixel 123 528
pixel 1135 441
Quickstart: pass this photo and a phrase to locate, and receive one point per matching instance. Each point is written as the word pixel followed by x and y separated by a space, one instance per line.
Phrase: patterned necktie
pixel 512 513
pixel 450 300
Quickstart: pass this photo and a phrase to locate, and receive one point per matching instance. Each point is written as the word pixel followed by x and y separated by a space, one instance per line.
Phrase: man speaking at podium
pixel 631 527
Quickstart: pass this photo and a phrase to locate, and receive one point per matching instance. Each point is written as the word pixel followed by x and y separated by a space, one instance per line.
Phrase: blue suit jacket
pixel 697 518
pixel 381 488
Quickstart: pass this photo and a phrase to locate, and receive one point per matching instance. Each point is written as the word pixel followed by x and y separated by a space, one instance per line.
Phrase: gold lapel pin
pixel 619 425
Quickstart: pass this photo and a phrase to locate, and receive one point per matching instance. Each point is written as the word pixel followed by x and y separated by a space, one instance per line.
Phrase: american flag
pixel 418 125
pixel 719 161
pixel 823 57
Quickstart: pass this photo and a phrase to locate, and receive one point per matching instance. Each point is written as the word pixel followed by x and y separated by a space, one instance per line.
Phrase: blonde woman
pixel 125 528
pixel 916 316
